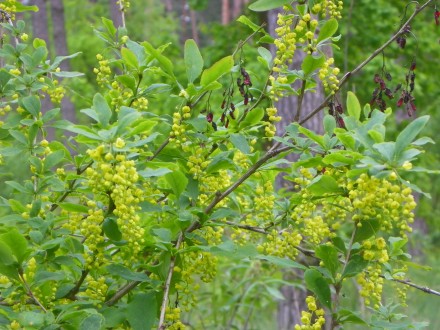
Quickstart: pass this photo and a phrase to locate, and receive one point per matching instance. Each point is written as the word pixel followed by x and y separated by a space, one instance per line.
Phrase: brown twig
pixel 30 293
pixel 416 286
pixel 122 292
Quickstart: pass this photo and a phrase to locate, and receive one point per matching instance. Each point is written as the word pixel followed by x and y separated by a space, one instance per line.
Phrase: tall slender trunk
pixel 226 14
pixel 60 41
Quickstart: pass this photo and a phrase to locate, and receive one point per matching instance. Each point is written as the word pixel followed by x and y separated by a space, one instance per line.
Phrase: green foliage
pixel 124 224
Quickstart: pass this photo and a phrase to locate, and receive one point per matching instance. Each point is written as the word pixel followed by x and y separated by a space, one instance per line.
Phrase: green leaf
pixel 316 283
pixel 329 255
pixel 111 229
pixel 347 316
pixel 353 105
pixel 315 137
pixel 282 262
pixel 18 187
pixel 329 124
pixel 240 142
pixel 408 135
pixel 355 265
pixel 17 243
pixel 129 58
pixel 311 63
pixel 53 159
pixel 111 29
pixel 72 207
pixel 266 56
pixel 217 70
pixel 323 184
pixel 164 62
pixel 148 173
pixel 246 21
pixel 368 229
pixel 177 182
pixel 341 157
pixel 31 104
pixel 93 321
pixel 193 60
pixel 329 28
pixel 264 5
pixel 141 311
pixel 19 7
pixel 102 109
pixel 126 274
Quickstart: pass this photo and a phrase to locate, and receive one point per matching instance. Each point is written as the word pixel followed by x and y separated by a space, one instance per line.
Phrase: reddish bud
pixel 227 123
pixel 400 102
pixel 413 65
pixel 223 104
pixel 246 99
pixel 437 17
pixel 231 113
pixel 209 117
pixel 222 118
pixel 232 106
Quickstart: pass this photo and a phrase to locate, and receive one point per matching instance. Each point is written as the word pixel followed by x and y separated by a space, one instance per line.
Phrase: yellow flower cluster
pixel 282 244
pixel 209 185
pixel 103 72
pixel 372 285
pixel 124 4
pixel 172 318
pixel 9 7
pixel 179 128
pixel 270 129
pixel 141 103
pixel 331 7
pixel 197 163
pixel 117 177
pixel 285 43
pixel 313 319
pixel 56 93
pixel 264 202
pixel 375 250
pixel 384 200
pixel 328 76
pixel 119 95
pixel 96 288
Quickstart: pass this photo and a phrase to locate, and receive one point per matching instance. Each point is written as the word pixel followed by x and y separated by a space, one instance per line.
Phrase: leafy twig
pixel 416 286
pixel 30 294
pixel 347 76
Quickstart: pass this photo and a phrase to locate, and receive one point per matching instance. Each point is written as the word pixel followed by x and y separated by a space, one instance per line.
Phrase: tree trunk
pixel 226 15
pixel 115 13
pixel 289 310
pixel 237 7
pixel 59 38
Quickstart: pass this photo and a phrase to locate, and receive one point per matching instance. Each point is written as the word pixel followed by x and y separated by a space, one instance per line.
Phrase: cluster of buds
pixel 243 86
pixel 381 90
pixel 227 106
pixel 336 110
pixel 406 97
pixel 401 39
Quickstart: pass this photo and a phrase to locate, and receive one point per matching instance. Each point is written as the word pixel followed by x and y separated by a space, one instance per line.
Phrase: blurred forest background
pixel 68 27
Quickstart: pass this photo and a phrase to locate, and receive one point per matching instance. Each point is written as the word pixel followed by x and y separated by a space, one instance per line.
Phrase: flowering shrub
pixel 122 225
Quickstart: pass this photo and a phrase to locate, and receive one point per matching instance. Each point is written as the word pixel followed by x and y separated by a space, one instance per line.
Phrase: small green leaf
pixel 32 105
pixel 316 283
pixel 311 63
pixel 347 316
pixel 355 265
pixel 408 135
pixel 102 109
pixel 17 243
pixel 193 60
pixel 266 55
pixel 111 229
pixel 353 105
pixel 386 149
pixel 111 29
pixel 329 255
pixel 367 229
pixel 164 62
pixel 246 21
pixel 329 124
pixel 329 28
pixel 264 5
pixel 282 262
pixel 177 182
pixel 323 184
pixel 126 274
pixel 53 159
pixel 217 70
pixel 93 321
pixel 129 58
pixel 141 311
pixel 240 142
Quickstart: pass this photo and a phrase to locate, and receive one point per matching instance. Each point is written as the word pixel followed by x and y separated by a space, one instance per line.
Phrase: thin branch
pixel 300 101
pixel 242 43
pixel 416 286
pixel 122 10
pixel 72 293
pixel 30 293
pixel 122 292
pixel 161 325
pixel 7 16
pixel 348 75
